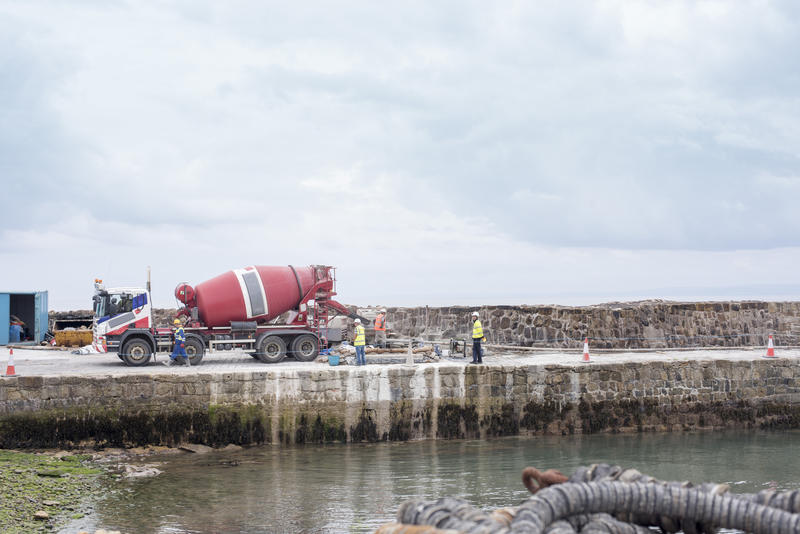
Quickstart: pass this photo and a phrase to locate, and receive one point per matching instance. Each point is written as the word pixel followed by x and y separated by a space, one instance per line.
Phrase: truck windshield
pixel 114 304
pixel 100 305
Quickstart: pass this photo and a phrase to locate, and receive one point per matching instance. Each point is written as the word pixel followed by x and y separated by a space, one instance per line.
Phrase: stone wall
pixel 647 324
pixel 440 401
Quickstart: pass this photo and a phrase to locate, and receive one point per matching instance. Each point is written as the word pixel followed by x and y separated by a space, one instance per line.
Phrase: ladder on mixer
pixel 321 324
pixel 321 313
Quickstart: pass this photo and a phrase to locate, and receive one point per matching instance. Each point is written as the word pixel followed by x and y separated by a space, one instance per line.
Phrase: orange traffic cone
pixel 770 349
pixel 586 350
pixel 10 369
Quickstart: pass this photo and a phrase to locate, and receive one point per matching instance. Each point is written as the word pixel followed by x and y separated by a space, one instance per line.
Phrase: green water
pixel 356 488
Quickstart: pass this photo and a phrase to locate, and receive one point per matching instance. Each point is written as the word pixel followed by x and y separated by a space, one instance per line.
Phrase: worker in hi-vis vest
pixel 477 337
pixel 180 345
pixel 380 329
pixel 359 341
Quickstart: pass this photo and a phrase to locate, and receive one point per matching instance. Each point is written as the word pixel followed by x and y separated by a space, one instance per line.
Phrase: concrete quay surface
pixel 45 362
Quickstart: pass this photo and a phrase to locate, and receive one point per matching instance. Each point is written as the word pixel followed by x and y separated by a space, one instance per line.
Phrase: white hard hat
pixel 383 310
pixel 474 314
pixel 357 321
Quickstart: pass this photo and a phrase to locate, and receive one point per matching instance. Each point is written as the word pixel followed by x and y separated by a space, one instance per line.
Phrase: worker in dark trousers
pixel 180 345
pixel 359 342
pixel 477 337
pixel 380 330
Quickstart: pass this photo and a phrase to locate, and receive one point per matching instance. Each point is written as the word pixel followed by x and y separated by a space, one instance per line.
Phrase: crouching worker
pixel 180 345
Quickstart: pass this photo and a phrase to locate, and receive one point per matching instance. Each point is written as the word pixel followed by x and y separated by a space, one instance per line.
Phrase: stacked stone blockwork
pixel 440 401
pixel 647 324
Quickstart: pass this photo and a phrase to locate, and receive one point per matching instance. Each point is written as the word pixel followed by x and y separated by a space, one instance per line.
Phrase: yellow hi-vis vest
pixel 179 335
pixel 477 329
pixel 361 338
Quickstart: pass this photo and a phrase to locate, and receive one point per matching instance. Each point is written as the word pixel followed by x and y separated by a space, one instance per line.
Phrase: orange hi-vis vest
pixel 380 322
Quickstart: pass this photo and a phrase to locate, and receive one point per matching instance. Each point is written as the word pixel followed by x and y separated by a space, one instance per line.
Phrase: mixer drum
pixel 258 293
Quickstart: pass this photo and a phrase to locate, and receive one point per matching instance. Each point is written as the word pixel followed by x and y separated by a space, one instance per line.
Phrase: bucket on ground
pixel 333 359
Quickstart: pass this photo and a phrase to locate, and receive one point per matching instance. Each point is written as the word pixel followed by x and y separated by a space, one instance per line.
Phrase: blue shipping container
pixel 31 309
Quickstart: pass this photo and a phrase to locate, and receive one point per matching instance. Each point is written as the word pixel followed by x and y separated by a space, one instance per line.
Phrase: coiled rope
pixel 607 499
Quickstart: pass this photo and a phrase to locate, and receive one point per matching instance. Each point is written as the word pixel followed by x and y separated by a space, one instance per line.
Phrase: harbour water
pixel 358 487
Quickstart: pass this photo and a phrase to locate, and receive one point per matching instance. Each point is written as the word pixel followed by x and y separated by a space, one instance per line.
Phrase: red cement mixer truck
pixel 237 309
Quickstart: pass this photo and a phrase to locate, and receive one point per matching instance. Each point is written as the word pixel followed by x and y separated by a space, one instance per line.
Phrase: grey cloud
pixel 658 144
pixel 36 156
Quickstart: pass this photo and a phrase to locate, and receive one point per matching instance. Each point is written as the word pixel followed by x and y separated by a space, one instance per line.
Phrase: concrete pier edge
pixel 286 406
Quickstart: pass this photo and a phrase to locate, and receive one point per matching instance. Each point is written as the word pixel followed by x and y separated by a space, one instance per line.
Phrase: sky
pixel 436 153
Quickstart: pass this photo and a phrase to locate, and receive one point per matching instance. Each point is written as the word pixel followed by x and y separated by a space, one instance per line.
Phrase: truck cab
pixel 116 310
pixel 123 323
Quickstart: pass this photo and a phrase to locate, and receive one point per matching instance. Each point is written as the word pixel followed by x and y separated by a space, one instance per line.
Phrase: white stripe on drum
pixel 245 294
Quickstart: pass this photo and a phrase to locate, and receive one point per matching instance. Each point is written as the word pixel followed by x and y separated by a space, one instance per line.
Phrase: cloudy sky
pixel 435 152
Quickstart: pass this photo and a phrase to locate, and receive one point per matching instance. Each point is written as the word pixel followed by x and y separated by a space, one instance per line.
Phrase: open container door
pixel 42 321
pixel 5 319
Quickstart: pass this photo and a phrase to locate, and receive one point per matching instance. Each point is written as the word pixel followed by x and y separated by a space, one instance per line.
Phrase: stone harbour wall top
pixel 646 324
pixel 616 325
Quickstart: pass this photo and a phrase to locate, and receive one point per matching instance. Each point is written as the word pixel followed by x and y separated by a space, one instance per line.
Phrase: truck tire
pixel 305 348
pixel 271 349
pixel 194 350
pixel 136 352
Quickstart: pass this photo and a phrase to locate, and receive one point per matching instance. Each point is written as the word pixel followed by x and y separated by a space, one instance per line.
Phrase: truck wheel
pixel 272 349
pixel 136 352
pixel 305 348
pixel 194 350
